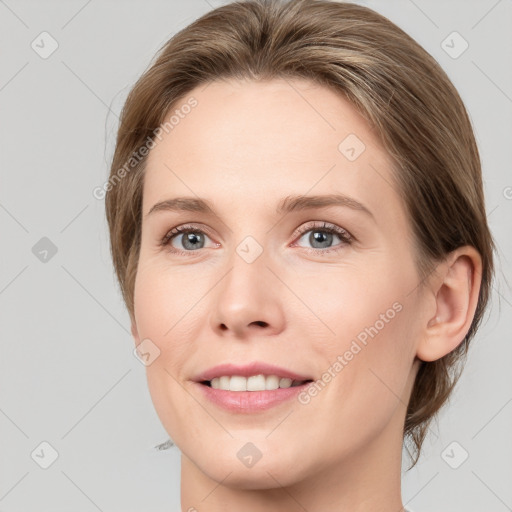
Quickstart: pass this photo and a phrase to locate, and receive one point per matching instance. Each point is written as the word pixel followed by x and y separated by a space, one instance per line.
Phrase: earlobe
pixel 456 300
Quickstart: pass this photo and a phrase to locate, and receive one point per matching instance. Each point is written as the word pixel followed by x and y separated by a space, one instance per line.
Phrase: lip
pixel 246 402
pixel 249 401
pixel 247 370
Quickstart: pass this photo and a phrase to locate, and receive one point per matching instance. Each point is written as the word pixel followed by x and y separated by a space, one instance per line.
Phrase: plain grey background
pixel 69 378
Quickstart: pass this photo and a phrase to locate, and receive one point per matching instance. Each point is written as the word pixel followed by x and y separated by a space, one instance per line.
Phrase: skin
pixel 244 147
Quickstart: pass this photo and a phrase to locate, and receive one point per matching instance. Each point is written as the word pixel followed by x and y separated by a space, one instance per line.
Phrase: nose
pixel 248 300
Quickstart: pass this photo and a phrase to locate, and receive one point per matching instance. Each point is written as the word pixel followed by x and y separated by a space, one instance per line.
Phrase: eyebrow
pixel 287 205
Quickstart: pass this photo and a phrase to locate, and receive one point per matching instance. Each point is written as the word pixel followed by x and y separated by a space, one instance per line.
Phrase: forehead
pixel 266 140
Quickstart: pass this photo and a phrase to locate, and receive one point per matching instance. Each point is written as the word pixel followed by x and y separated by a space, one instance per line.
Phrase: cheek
pixel 161 315
pixel 171 306
pixel 162 297
pixel 164 312
pixel 350 305
pixel 376 359
pixel 370 343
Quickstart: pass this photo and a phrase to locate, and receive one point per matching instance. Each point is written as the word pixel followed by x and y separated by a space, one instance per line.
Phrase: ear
pixel 456 288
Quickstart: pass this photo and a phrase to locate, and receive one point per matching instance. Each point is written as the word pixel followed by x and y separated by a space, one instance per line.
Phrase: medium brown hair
pixel 389 78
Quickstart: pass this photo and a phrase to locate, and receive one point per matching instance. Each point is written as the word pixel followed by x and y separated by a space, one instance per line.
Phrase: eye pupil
pixel 321 237
pixel 191 238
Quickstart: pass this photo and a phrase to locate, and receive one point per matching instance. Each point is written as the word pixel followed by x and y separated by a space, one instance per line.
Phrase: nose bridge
pixel 249 241
pixel 248 267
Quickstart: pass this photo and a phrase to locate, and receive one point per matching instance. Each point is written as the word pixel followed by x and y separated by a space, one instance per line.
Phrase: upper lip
pixel 247 370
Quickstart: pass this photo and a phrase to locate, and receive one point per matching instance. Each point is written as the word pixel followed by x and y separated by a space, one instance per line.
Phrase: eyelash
pixel 345 237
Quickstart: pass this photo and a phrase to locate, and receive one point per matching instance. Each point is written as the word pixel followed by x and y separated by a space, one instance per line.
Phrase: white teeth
pixel 271 382
pixel 238 383
pixel 253 383
pixel 285 383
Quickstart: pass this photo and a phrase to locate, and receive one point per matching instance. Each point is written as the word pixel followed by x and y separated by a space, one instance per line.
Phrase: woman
pixel 298 227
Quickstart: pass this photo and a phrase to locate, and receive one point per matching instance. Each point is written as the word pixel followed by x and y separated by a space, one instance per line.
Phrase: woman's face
pixel 256 283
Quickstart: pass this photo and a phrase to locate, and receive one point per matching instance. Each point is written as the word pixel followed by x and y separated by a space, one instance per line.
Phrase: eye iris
pixel 191 238
pixel 322 237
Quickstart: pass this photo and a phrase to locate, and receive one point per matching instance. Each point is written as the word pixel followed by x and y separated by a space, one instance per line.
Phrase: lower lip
pixel 250 401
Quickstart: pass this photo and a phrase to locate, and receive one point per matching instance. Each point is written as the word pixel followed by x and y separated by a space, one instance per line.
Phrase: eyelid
pixel 323 225
pixel 184 228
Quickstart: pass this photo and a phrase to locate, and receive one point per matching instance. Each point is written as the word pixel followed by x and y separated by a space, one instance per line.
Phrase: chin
pixel 272 470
